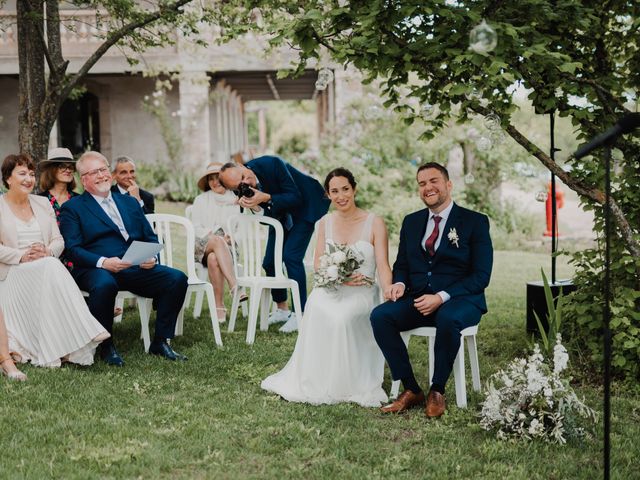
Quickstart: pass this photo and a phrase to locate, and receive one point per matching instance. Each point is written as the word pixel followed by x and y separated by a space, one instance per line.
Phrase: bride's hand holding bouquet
pixel 338 267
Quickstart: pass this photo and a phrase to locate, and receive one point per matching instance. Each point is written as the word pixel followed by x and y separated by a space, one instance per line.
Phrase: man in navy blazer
pixel 124 174
pixel 443 266
pixel 297 200
pixel 98 228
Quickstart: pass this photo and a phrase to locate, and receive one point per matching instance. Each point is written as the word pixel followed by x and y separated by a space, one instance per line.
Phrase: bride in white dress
pixel 336 359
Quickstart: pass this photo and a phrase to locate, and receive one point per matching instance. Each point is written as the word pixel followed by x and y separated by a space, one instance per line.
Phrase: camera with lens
pixel 244 190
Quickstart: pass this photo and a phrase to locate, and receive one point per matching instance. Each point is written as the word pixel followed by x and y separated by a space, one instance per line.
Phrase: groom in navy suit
pixel 297 200
pixel 443 266
pixel 98 227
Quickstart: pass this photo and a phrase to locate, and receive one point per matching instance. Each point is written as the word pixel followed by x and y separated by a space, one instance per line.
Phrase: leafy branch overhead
pixel 584 68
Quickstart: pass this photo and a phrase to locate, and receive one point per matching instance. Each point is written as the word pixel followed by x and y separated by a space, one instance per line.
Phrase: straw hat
pixel 203 183
pixel 58 155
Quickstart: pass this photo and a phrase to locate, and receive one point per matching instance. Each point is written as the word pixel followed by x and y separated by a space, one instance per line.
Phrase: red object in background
pixel 559 205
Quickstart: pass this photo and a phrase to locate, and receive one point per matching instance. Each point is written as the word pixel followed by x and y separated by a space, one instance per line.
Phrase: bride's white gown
pixel 336 359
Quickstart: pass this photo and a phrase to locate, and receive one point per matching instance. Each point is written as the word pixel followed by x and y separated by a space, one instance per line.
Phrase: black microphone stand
pixel 554 211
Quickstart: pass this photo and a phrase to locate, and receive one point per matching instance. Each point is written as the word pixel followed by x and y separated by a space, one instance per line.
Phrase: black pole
pixel 606 315
pixel 554 207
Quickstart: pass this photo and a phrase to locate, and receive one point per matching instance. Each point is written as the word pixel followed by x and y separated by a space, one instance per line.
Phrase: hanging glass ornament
pixel 321 84
pixel 373 112
pixel 482 38
pixel 497 136
pixel 326 75
pixel 469 178
pixel 492 122
pixel 541 196
pixel 484 144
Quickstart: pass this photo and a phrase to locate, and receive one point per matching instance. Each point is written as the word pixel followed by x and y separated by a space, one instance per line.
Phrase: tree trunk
pixel 33 132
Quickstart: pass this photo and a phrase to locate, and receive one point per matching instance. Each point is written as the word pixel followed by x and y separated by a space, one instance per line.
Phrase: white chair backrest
pixel 249 234
pixel 161 224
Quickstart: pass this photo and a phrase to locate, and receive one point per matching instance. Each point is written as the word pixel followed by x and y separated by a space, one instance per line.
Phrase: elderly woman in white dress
pixel 46 318
pixel 209 215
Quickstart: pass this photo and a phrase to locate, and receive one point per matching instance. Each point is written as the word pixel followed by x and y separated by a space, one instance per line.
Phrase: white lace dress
pixel 336 359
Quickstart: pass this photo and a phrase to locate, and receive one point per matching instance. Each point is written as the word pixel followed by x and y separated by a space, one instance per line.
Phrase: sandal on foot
pixel 223 318
pixel 12 374
pixel 242 297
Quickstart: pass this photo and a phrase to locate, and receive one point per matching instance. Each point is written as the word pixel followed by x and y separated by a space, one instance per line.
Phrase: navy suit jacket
pixel 89 233
pixel 292 192
pixel 463 271
pixel 146 197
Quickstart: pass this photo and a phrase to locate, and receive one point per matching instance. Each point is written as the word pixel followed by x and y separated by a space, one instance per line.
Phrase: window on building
pixel 79 124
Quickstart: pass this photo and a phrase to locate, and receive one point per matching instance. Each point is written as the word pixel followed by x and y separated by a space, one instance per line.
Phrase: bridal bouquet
pixel 337 264
pixel 530 399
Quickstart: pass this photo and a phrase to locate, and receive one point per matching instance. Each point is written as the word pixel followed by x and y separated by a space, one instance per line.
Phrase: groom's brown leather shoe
pixel 405 401
pixel 435 404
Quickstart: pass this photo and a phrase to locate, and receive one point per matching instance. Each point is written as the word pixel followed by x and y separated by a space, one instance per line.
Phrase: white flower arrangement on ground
pixel 337 264
pixel 530 399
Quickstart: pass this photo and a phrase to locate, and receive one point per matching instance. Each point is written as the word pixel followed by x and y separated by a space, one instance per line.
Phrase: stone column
pixel 194 120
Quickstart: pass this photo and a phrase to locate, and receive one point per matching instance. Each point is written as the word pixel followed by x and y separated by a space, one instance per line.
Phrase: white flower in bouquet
pixel 336 265
pixel 338 257
pixel 530 399
pixel 332 272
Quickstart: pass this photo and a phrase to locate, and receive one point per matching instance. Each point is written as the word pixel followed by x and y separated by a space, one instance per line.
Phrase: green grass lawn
pixel 208 418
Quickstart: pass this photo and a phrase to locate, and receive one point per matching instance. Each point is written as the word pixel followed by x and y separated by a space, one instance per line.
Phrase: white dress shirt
pixel 100 201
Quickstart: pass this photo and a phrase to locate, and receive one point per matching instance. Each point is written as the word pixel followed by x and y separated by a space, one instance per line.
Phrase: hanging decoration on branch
pixel 484 144
pixel 325 77
pixel 483 39
pixel 373 112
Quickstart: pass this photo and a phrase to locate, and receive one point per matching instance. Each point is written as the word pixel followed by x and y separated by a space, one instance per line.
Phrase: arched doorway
pixel 79 124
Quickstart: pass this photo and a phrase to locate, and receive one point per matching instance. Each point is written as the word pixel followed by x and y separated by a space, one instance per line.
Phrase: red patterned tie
pixel 431 241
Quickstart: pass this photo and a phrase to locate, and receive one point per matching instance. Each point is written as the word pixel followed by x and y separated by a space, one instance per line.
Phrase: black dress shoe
pixel 163 349
pixel 110 355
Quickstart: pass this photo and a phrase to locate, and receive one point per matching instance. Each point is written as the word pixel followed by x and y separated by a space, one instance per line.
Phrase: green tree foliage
pixel 578 59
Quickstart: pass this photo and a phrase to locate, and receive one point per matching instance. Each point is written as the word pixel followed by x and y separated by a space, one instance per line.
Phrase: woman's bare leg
pixel 218 246
pixel 217 280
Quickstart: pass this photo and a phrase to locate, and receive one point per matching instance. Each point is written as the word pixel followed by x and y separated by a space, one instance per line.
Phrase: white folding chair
pixel 144 310
pixel 249 235
pixel 203 274
pixel 469 334
pixel 161 224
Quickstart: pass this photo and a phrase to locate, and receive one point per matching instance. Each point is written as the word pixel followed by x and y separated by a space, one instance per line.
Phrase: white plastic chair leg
pixel 254 304
pixel 211 302
pixel 144 308
pixel 180 323
pixel 197 308
pixel 234 311
pixel 472 347
pixel 432 358
pixel 297 303
pixel 459 376
pixel 265 302
pixel 120 305
pixel 187 299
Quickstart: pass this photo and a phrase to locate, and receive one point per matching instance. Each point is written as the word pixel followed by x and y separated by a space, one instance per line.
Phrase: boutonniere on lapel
pixel 453 237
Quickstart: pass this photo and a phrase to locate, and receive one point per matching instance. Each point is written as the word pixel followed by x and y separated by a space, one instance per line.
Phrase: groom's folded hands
pixel 427 303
